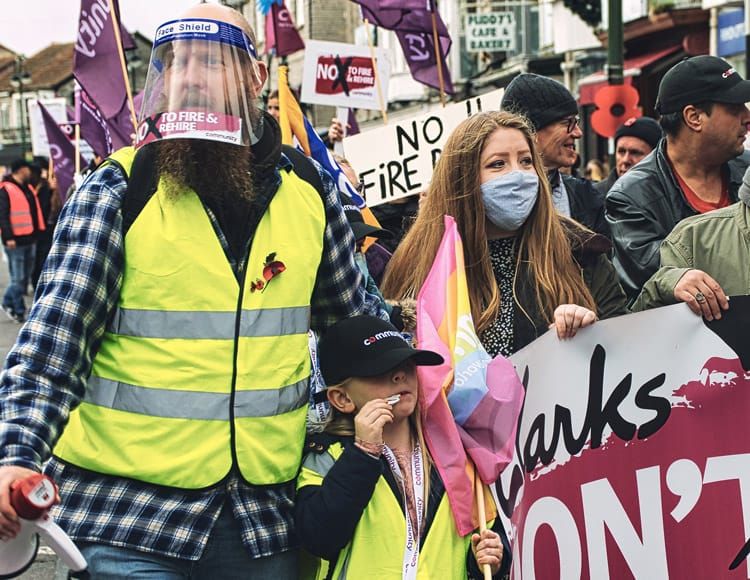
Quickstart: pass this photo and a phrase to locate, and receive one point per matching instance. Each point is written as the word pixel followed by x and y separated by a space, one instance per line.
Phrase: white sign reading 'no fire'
pixel 396 160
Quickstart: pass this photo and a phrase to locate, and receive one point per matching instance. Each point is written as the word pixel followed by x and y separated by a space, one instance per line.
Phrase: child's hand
pixel 488 549
pixel 369 422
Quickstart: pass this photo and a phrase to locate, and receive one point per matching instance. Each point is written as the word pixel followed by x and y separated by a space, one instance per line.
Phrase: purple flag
pixel 121 125
pixel 94 127
pixel 282 36
pixel 412 22
pixel 405 4
pixel 352 125
pixel 96 61
pixel 62 152
pixel 419 50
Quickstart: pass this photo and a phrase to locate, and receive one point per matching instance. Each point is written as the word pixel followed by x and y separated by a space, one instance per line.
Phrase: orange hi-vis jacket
pixel 21 218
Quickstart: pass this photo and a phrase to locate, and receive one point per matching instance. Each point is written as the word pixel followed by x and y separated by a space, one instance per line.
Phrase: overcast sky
pixel 30 25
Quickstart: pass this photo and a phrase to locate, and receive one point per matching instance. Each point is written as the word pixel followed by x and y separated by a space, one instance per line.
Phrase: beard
pixel 219 173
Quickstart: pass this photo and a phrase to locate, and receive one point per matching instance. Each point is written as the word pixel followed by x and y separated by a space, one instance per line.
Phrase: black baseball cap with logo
pixel 701 79
pixel 366 346
pixel 357 222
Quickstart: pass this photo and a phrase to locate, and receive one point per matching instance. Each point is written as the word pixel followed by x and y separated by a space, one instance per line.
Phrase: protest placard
pixel 56 108
pixel 396 160
pixel 342 75
pixel 633 450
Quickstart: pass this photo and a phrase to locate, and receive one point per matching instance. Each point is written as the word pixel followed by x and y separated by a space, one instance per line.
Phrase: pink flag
pixel 470 403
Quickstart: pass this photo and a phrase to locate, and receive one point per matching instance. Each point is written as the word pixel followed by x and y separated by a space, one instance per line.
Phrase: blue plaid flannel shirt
pixel 46 372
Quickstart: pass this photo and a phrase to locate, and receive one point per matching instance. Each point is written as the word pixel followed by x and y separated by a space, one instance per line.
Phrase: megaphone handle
pixel 61 543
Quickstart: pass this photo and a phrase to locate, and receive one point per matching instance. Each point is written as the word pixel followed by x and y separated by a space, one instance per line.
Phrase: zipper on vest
pixel 237 321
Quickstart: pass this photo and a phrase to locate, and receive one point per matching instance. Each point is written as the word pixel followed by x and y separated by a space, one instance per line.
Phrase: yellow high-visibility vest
pixel 197 372
pixel 377 548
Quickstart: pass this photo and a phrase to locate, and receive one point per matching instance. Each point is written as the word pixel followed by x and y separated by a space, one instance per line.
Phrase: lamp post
pixel 134 63
pixel 17 81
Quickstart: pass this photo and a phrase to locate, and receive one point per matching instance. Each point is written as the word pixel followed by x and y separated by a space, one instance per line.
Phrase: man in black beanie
pixel 634 139
pixel 696 168
pixel 553 114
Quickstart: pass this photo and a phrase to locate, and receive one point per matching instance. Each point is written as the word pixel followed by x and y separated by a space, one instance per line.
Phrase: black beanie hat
pixel 540 99
pixel 644 128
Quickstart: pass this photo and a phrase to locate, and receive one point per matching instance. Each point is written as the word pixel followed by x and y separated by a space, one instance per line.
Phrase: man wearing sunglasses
pixel 553 113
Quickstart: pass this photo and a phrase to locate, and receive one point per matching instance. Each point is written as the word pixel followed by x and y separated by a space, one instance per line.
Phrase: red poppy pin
pixel 271 268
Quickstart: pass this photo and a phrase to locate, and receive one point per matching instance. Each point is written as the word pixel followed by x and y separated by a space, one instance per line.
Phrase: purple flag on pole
pixel 411 20
pixel 121 125
pixel 405 4
pixel 419 50
pixel 351 121
pixel 96 61
pixel 94 128
pixel 62 152
pixel 282 36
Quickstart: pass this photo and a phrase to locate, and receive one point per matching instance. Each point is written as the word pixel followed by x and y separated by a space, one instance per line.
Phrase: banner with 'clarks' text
pixel 632 458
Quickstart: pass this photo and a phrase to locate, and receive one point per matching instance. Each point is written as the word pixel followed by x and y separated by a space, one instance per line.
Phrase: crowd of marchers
pixel 216 367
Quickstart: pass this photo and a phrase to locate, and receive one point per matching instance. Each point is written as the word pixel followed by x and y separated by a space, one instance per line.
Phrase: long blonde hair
pixel 455 190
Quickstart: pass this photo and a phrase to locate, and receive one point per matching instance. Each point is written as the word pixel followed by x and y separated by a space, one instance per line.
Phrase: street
pixel 44 567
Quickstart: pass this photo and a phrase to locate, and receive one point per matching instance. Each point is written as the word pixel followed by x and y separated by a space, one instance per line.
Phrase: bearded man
pixel 164 368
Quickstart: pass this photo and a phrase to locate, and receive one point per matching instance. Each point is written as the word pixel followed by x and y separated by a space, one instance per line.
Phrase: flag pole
pixel 479 488
pixel 77 128
pixel 438 55
pixel 376 76
pixel 78 148
pixel 123 66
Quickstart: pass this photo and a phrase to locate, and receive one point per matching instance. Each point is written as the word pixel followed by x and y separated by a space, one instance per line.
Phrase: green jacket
pixel 717 242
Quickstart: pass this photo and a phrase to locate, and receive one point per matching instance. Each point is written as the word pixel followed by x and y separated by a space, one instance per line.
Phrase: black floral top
pixel 497 338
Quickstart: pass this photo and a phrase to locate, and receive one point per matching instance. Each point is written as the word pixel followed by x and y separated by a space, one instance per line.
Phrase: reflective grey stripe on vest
pixel 194 405
pixel 210 325
pixel 320 463
pixel 345 567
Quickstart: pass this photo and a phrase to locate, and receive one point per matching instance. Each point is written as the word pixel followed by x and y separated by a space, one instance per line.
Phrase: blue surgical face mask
pixel 509 199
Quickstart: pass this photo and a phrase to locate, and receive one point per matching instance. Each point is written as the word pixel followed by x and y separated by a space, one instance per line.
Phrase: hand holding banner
pixel 632 455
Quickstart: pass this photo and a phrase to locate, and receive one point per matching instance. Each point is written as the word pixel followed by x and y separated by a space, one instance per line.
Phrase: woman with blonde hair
pixel 527 267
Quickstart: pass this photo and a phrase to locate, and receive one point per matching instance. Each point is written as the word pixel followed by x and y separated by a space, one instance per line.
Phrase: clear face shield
pixel 202 82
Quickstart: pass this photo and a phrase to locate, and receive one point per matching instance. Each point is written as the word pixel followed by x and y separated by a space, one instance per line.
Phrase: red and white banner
pixel 187 124
pixel 633 450
pixel 343 75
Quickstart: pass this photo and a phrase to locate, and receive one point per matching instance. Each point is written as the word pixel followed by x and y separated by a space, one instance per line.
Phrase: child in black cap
pixel 369 500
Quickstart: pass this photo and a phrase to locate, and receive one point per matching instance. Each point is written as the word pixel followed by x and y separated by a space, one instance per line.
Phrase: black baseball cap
pixel 357 222
pixel 366 346
pixel 701 79
pixel 19 163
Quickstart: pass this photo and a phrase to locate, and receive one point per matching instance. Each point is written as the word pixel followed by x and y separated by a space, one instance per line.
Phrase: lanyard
pixel 411 550
pixel 319 409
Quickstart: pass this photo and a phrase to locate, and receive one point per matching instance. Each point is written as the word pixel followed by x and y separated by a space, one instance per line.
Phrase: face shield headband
pixel 201 84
